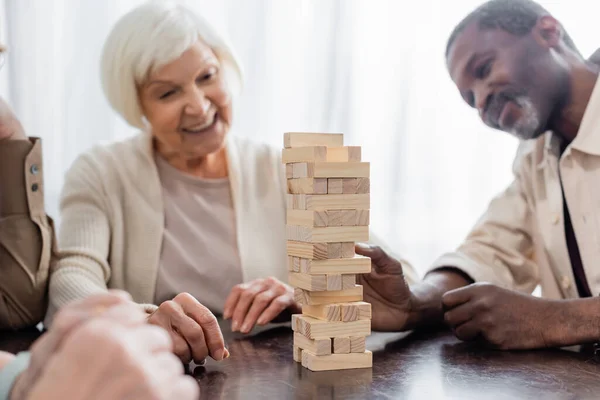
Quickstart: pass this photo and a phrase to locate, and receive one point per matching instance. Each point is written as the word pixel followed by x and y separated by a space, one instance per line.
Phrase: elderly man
pixel 515 64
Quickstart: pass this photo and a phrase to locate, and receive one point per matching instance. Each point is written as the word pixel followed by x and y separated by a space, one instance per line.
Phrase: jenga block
pixel 322 202
pixel 334 217
pixel 307 218
pixel 334 282
pixel 304 139
pixel 319 251
pixel 357 344
pixel 356 265
pixel 314 328
pixel 303 297
pixel 295 323
pixel 313 283
pixel 349 185
pixel 341 345
pixel 363 185
pixel 331 170
pixel 334 186
pixel 337 361
pixel 356 311
pixel 297 354
pixel 319 347
pixel 307 185
pixel 362 218
pixel 293 264
pixel 326 312
pixel 343 154
pixel 327 234
pixel 348 250
pixel 289 171
pixel 304 154
pixel 348 281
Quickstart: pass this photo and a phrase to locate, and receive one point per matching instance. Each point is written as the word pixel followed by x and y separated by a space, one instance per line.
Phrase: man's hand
pixel 502 318
pixel 10 127
pixel 258 302
pixel 386 289
pixel 193 328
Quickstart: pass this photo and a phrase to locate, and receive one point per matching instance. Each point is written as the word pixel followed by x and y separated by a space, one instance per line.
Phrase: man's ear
pixel 595 58
pixel 548 32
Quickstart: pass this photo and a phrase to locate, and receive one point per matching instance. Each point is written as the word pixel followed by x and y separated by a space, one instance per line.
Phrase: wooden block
pixel 357 344
pixel 315 251
pixel 356 265
pixel 327 234
pixel 362 218
pixel 307 218
pixel 334 282
pixel 305 297
pixel 295 323
pixel 343 154
pixel 307 186
pixel 293 264
pixel 348 281
pixel 314 328
pixel 325 312
pixel 349 217
pixel 303 139
pixel 341 345
pixel 319 347
pixel 313 283
pixel 334 218
pixel 331 170
pixel 363 185
pixel 297 354
pixel 337 361
pixel 334 186
pixel 349 185
pixel 289 171
pixel 304 154
pixel 348 250
pixel 356 311
pixel 324 202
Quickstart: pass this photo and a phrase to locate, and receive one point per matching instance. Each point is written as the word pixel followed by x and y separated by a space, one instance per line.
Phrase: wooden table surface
pixel 425 366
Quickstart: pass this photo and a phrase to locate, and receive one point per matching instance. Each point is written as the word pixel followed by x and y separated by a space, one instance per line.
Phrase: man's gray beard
pixel 528 125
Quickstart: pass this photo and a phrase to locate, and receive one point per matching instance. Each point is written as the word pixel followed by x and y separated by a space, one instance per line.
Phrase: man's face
pixel 507 78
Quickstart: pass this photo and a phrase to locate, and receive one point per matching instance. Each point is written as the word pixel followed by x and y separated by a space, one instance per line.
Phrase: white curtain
pixel 372 69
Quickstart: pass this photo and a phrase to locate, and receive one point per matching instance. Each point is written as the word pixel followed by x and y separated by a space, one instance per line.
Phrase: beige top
pixel 199 251
pixel 520 241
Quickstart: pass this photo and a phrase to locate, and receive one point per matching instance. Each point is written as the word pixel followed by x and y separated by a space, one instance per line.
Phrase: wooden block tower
pixel 327 212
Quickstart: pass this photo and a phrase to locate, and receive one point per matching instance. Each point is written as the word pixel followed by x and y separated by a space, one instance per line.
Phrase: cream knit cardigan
pixel 113 220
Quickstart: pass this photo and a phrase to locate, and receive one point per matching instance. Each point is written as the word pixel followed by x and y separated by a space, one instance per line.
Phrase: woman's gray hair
pixel 148 38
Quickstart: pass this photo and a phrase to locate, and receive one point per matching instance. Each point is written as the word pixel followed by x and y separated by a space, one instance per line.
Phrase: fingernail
pixel 245 328
pixel 235 326
pixel 364 246
pixel 227 354
pixel 261 321
pixel 219 355
pixel 226 316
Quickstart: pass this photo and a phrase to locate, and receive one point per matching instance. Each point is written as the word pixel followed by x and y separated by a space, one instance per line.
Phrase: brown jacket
pixel 26 235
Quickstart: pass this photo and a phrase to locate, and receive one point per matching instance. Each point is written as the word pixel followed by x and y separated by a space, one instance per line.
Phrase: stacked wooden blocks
pixel 327 212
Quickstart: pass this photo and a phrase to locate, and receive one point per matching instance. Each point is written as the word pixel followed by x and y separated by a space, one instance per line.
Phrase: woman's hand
pixel 193 328
pixel 258 302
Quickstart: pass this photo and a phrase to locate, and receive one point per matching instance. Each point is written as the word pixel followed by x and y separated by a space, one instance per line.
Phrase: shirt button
pixel 566 282
pixel 34 169
pixel 555 219
pixel 34 187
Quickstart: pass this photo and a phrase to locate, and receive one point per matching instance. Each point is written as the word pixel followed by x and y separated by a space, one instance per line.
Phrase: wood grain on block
pixel 319 347
pixel 324 202
pixel 325 312
pixel 334 185
pixel 343 154
pixel 295 323
pixel 348 250
pixel 332 170
pixel 307 218
pixel 297 354
pixel 348 281
pixel 314 251
pixel 327 234
pixel 337 361
pixel 293 264
pixel 363 185
pixel 307 186
pixel 289 171
pixel 349 185
pixel 341 345
pixel 334 282
pixel 304 297
pixel 356 265
pixel 304 154
pixel 362 218
pixel 313 283
pixel 357 344
pixel 314 328
pixel 304 139
pixel 356 311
